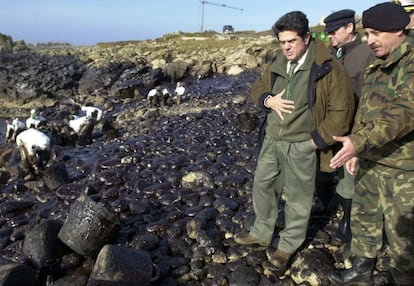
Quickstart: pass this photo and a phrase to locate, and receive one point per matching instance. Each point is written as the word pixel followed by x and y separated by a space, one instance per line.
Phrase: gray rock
pixel 116 265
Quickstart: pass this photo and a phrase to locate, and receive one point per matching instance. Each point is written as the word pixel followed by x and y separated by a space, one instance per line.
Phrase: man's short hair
pixel 293 21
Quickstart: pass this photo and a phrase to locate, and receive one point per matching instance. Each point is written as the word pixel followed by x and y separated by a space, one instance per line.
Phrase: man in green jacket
pixel 308 96
pixel 382 139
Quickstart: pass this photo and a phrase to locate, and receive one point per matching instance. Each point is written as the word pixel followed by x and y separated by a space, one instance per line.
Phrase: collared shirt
pixel 300 62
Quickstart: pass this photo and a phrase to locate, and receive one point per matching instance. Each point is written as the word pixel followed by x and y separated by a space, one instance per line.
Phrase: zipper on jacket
pixel 287 93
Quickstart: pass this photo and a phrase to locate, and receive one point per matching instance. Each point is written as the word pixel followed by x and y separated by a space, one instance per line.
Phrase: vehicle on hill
pixel 228 29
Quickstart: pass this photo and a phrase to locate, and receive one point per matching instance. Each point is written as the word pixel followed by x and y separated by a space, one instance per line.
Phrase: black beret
pixel 338 19
pixel 385 17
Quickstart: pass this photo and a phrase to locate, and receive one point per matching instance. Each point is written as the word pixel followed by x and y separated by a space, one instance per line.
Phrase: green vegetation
pixel 6 42
pixel 187 43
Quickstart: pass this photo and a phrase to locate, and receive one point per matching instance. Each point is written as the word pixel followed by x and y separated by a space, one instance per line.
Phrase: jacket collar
pixel 348 47
pixel 405 48
pixel 316 46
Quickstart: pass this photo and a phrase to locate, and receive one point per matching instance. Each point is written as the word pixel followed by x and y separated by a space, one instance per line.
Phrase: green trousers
pixel 346 184
pixel 384 202
pixel 291 168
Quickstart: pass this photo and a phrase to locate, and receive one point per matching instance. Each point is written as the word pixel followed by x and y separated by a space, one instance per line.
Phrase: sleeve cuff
pixel 358 142
pixel 319 140
pixel 262 100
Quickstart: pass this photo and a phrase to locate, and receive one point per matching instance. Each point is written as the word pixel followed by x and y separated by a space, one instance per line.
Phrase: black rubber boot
pixel 343 233
pixel 325 187
pixel 360 274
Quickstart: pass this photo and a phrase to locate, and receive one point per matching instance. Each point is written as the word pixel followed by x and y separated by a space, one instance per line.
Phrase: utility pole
pixel 214 4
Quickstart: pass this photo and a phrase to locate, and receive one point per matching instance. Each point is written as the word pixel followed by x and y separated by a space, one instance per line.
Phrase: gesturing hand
pixel 351 165
pixel 346 153
pixel 280 105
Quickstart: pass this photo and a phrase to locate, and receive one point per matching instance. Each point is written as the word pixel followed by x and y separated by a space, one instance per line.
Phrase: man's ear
pixel 307 38
pixel 349 27
pixel 399 33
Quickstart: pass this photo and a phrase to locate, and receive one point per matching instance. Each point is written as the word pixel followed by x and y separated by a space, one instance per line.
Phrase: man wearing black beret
pixel 382 141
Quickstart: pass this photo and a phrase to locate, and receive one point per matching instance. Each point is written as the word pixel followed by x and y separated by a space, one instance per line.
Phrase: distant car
pixel 228 29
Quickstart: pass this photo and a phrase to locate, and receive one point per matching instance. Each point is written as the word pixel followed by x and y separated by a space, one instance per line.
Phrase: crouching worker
pixel 13 129
pixel 34 149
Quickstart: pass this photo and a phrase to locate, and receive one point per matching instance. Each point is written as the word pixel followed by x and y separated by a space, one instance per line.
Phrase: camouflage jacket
pixel 383 131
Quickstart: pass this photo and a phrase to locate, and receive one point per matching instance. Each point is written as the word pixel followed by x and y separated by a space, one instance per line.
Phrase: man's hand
pixel 346 153
pixel 351 165
pixel 315 147
pixel 280 105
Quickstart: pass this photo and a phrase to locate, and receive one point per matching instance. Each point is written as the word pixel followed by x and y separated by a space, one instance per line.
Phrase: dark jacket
pixel 356 56
pixel 330 98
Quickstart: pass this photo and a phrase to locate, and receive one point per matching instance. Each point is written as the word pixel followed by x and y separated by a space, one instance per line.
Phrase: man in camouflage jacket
pixel 382 139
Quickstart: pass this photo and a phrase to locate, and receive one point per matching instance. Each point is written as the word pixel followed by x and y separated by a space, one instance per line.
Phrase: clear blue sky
pixel 86 22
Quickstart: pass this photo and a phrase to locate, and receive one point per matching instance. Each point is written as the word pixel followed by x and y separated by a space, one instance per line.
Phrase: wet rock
pixel 235 70
pixel 17 274
pixel 244 276
pixel 98 78
pixel 55 176
pixel 110 129
pixel 4 177
pixel 88 227
pixel 176 70
pixel 247 121
pixel 197 179
pixel 311 266
pixel 117 265
pixel 15 206
pixel 145 242
pixel 77 276
pixel 41 245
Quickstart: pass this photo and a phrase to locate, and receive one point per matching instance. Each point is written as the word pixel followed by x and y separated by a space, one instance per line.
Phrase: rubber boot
pixel 325 187
pixel 343 233
pixel 360 274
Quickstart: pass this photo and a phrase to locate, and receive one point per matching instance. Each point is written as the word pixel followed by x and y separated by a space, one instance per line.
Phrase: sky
pixel 87 22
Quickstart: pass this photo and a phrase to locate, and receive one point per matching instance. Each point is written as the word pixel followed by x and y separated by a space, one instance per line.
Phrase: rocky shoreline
pixel 177 178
